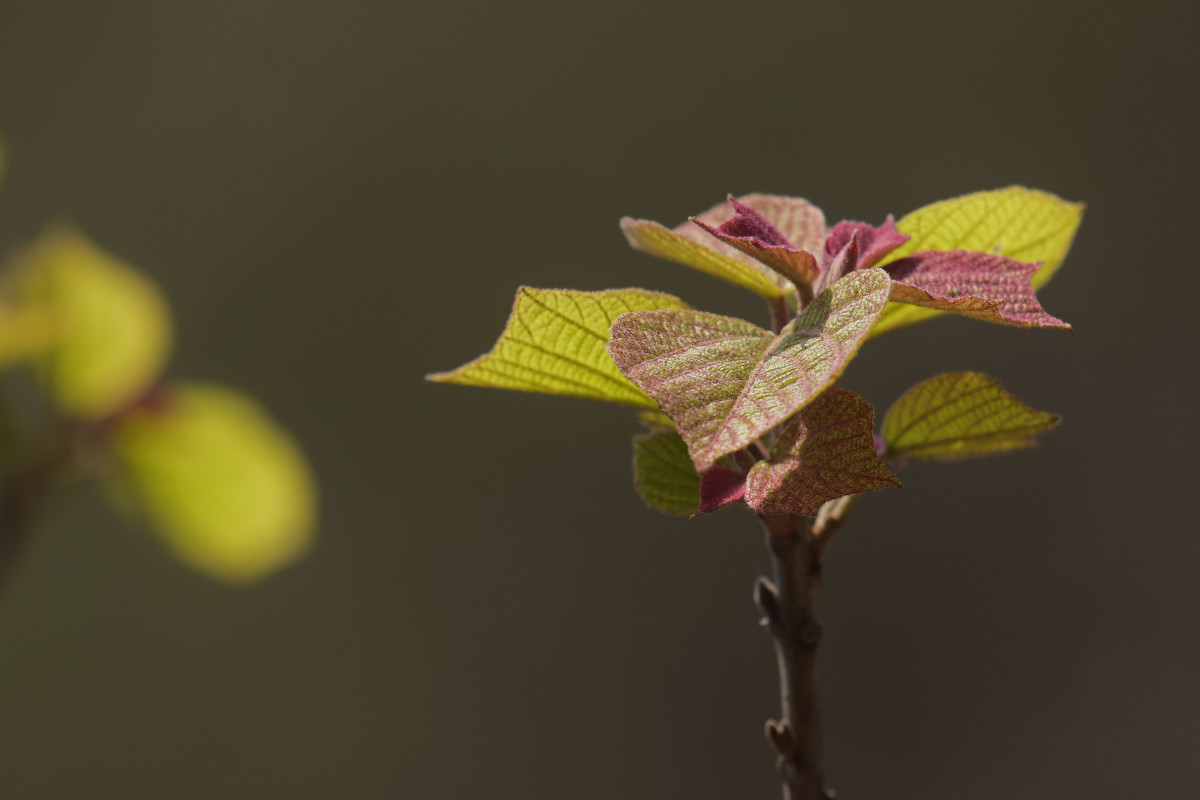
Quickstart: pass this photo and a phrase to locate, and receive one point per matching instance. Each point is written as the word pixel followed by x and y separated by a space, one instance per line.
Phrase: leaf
pixel 651 237
pixel 719 487
pixel 655 420
pixel 798 220
pixel 663 474
pixel 1023 224
pixel 725 382
pixel 24 333
pixel 110 327
pixel 958 415
pixel 979 285
pixel 556 341
pixel 752 234
pixel 873 243
pixel 825 452
pixel 226 489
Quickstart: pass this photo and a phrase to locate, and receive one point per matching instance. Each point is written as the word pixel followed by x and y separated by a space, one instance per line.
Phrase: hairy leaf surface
pixel 663 474
pixel 226 488
pixel 958 415
pixel 725 382
pixel 719 487
pixel 717 259
pixel 873 243
pixel 754 235
pixel 1022 224
pixel 556 342
pixel 798 220
pixel 979 285
pixel 825 452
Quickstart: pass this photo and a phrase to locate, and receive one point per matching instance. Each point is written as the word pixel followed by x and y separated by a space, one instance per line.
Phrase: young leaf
pixel 110 328
pixel 225 488
pixel 825 452
pixel 664 475
pixel 725 382
pixel 719 487
pixel 873 243
pixel 980 285
pixel 1022 224
pixel 716 259
pixel 556 341
pixel 796 219
pixel 958 415
pixel 754 235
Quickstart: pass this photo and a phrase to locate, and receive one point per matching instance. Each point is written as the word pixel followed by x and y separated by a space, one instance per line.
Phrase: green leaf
pixel 657 240
pixel 655 420
pixel 825 452
pixel 799 221
pixel 24 333
pixel 724 381
pixel 959 415
pixel 110 327
pixel 226 489
pixel 1019 223
pixel 556 342
pixel 664 475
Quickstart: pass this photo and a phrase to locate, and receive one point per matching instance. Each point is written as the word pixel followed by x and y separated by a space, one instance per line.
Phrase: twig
pixel 829 520
pixel 787 605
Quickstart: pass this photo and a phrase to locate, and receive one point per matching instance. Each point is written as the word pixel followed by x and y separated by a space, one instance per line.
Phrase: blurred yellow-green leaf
pixel 226 488
pixel 109 327
pixel 1019 223
pixel 24 333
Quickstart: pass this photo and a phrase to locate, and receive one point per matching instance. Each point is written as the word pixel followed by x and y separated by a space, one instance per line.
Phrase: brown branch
pixel 779 312
pixel 787 605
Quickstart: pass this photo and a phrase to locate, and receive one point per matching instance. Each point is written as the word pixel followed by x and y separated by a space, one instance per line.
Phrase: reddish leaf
pixel 845 262
pixel 797 220
pixel 753 234
pixel 719 487
pixel 981 285
pixel 873 243
pixel 825 452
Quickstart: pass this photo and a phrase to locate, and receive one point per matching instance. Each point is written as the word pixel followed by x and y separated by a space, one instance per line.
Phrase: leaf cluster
pixel 742 414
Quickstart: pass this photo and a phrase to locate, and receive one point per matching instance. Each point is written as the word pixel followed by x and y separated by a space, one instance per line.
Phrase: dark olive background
pixel 340 198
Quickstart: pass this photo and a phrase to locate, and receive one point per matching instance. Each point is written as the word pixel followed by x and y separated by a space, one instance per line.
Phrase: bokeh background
pixel 341 197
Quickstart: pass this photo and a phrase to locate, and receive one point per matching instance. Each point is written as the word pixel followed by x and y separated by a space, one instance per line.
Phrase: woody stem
pixel 788 607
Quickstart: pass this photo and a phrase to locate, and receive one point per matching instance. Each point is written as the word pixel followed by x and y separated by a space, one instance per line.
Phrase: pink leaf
pixel 719 487
pixel 980 285
pixel 752 234
pixel 842 265
pixel 873 243
pixel 825 452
